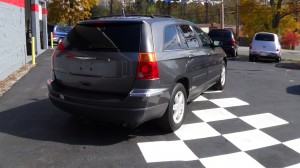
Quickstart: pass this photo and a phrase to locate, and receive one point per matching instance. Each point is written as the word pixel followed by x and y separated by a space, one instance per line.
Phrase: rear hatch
pixel 99 57
pixel 225 36
pixel 264 42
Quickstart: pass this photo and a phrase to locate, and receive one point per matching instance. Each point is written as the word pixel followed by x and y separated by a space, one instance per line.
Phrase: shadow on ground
pixel 293 90
pixel 288 65
pixel 40 120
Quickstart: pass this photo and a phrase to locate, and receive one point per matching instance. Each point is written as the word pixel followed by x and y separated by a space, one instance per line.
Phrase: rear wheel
pixel 278 59
pixel 251 58
pixel 175 113
pixel 220 85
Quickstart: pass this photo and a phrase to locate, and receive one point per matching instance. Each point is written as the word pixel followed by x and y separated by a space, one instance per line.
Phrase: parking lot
pixel 254 122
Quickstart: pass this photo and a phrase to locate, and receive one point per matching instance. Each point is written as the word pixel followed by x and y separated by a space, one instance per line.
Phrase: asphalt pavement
pixel 254 122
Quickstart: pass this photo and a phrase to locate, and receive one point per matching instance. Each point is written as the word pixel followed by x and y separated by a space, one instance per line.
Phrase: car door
pixel 197 60
pixel 214 63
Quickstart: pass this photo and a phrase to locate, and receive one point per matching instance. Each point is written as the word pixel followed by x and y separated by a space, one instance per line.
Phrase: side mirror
pixel 217 44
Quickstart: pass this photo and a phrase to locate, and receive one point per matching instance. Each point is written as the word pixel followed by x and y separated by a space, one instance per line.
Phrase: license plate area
pixel 89 68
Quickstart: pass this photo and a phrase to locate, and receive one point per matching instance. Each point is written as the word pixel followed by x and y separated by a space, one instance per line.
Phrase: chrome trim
pixel 147 92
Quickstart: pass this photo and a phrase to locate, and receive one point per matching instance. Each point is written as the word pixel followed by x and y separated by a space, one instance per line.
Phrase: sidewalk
pixel 43 66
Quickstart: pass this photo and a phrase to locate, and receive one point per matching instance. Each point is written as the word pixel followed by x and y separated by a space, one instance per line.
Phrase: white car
pixel 265 45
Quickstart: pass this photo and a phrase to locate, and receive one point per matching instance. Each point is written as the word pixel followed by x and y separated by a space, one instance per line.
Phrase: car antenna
pixel 123 8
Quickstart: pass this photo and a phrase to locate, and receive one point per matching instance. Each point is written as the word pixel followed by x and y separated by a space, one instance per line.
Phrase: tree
pixel 69 11
pixel 282 9
pixel 290 38
pixel 259 16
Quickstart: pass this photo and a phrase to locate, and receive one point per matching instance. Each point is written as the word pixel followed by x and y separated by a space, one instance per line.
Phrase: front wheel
pixel 220 85
pixel 175 113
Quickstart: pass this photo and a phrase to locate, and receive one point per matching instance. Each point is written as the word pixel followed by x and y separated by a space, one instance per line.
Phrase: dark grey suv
pixel 133 69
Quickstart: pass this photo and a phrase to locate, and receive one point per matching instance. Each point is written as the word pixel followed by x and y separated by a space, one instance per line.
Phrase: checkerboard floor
pixel 216 137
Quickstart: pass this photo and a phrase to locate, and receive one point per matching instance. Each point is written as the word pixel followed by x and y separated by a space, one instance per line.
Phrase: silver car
pixel 265 45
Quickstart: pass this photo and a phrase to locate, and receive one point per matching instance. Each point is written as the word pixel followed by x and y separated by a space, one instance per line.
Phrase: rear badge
pixel 62 96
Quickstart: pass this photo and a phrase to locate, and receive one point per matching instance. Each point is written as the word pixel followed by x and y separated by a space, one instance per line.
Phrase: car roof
pixel 136 18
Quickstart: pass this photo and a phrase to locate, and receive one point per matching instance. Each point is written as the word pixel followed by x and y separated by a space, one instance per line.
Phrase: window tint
pixel 171 40
pixel 105 37
pixel 64 29
pixel 265 37
pixel 220 34
pixel 189 35
pixel 203 36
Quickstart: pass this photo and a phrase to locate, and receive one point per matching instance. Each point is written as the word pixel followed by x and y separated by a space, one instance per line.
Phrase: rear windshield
pixel 264 37
pixel 219 34
pixel 64 29
pixel 105 37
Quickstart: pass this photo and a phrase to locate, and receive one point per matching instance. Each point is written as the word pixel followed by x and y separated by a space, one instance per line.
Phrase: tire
pixel 251 58
pixel 278 59
pixel 220 85
pixel 175 113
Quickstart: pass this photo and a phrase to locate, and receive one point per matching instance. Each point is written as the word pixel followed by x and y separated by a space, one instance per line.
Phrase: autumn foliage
pixel 69 12
pixel 290 38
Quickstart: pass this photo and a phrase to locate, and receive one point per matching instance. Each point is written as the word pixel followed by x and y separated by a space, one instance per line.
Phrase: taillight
pixel 53 34
pixel 233 42
pixel 60 47
pixel 278 49
pixel 52 61
pixel 147 66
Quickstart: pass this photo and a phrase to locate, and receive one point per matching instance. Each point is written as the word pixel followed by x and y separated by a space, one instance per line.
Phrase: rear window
pixel 105 37
pixel 264 37
pixel 219 34
pixel 64 29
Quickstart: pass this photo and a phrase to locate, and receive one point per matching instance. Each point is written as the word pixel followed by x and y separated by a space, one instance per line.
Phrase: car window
pixel 203 36
pixel 64 29
pixel 183 42
pixel 189 35
pixel 264 37
pixel 171 39
pixel 219 34
pixel 105 37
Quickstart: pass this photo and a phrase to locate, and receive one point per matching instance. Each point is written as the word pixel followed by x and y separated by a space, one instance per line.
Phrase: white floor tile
pixel 214 114
pixel 253 139
pixel 293 144
pixel 200 98
pixel 163 151
pixel 196 131
pixel 229 102
pixel 234 160
pixel 263 120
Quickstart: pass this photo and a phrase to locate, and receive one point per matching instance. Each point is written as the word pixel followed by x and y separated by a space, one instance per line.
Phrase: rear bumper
pixel 229 50
pixel 258 54
pixel 138 107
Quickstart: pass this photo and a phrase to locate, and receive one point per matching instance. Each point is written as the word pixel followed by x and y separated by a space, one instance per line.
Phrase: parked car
pixel 135 68
pixel 59 32
pixel 226 36
pixel 265 45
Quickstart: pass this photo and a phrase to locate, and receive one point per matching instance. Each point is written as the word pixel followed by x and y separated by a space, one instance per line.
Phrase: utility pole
pixel 206 12
pixel 222 14
pixel 237 28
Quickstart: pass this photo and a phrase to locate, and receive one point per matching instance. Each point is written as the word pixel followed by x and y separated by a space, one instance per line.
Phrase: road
pixel 254 122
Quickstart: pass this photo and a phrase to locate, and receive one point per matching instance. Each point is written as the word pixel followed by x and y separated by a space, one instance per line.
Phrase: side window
pixel 189 35
pixel 203 36
pixel 171 40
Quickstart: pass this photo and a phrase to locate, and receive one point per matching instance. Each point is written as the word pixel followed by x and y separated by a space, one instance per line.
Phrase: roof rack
pixel 134 15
